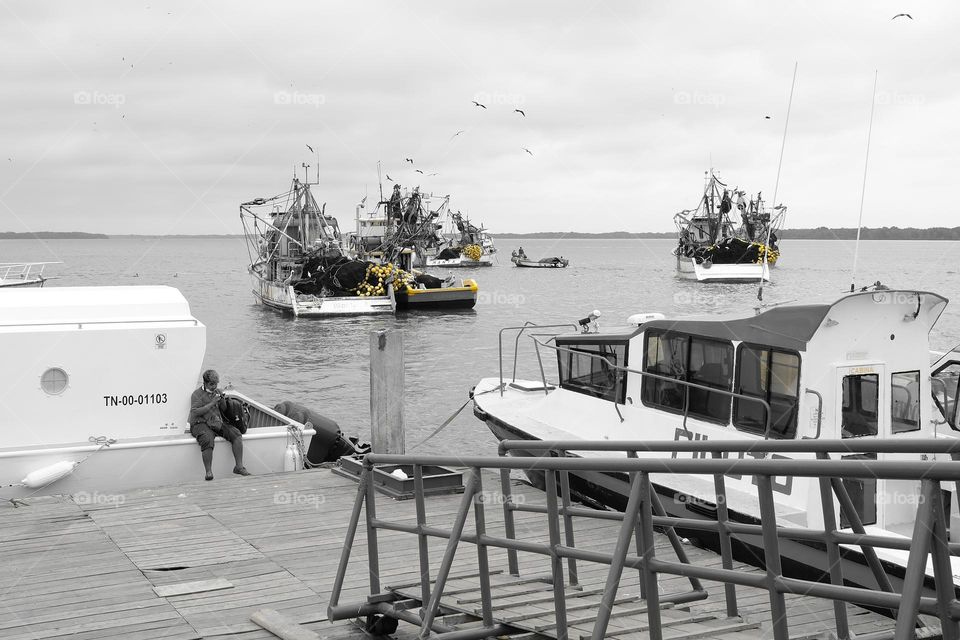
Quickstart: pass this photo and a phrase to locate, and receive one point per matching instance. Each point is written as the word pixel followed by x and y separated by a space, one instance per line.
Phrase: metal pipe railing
pixel 643 515
pixel 686 384
pixel 516 344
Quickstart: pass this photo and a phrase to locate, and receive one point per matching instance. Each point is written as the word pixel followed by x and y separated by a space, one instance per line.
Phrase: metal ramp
pixel 525 606
pixel 629 575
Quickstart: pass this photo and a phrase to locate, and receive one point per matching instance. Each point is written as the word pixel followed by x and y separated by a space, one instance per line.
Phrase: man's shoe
pixel 209 475
pixel 241 471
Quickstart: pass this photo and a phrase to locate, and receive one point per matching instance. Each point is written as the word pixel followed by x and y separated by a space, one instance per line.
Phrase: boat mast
pixel 863 190
pixel 776 185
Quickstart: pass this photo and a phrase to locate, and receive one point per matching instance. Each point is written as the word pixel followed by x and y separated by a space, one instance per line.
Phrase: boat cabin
pixel 859 367
pixel 866 355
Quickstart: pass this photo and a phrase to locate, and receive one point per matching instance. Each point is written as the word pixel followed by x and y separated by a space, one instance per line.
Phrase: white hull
pixel 138 463
pixel 689 269
pixel 461 262
pixel 284 298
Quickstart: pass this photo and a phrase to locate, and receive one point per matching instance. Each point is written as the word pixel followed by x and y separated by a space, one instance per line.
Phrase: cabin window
pixel 590 369
pixel 945 382
pixel 701 361
pixel 905 401
pixel 861 396
pixel 774 377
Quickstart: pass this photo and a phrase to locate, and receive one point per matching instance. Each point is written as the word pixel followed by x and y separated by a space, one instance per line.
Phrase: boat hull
pixel 283 298
pixel 706 272
pixel 464 297
pixel 104 475
pixel 461 262
pixel 534 264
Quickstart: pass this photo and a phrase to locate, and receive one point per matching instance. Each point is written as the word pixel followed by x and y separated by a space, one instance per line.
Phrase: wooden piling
pixel 386 392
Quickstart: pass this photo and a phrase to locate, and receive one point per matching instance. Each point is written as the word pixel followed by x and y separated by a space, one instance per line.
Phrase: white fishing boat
pixel 396 236
pixel 853 370
pixel 298 263
pixel 95 394
pixel 713 248
pixel 466 245
pixel 23 274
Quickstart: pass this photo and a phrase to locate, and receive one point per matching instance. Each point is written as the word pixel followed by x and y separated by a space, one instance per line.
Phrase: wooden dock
pixel 196 560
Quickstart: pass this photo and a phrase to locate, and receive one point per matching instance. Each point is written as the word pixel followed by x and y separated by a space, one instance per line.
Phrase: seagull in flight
pixel 418 171
pixel 311 148
pixel 766 117
pixel 902 14
pixel 410 160
pixel 527 150
pixel 479 105
pixel 432 174
pixel 456 134
pixel 520 111
pixel 389 178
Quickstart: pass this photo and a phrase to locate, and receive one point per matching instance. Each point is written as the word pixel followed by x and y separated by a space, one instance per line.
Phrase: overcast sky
pixel 160 118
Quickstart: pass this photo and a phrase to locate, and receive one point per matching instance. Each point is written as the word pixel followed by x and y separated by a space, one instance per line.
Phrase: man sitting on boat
pixel 521 254
pixel 206 424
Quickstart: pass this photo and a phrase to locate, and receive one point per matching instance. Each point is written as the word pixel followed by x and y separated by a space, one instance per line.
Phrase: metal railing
pixel 23 271
pixel 686 384
pixel 642 515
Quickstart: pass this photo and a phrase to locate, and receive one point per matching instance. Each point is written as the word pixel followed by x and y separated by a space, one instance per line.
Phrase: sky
pixel 161 118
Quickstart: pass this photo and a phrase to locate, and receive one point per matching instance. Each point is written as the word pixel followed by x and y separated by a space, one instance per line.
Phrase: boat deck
pixel 196 560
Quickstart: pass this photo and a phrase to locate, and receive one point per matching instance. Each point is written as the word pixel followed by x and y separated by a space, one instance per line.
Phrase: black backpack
pixel 234 413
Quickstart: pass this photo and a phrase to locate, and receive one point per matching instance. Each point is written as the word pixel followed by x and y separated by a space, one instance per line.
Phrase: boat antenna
pixel 776 184
pixel 863 189
pixel 380 180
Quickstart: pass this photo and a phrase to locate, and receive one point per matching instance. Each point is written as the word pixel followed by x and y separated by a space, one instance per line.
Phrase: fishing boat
pixel 851 370
pixel 95 395
pixel 396 236
pixel 23 274
pixel 466 245
pixel 714 248
pixel 520 259
pixel 298 263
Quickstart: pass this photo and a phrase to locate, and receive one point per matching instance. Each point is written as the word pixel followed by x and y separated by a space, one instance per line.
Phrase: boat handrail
pixel 520 329
pixel 23 270
pixel 686 384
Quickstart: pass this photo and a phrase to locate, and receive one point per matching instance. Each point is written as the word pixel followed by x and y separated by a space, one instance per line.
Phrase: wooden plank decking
pixel 88 571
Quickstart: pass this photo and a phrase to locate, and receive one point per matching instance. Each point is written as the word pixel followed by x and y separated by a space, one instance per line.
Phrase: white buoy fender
pixel 47 475
pixel 290 458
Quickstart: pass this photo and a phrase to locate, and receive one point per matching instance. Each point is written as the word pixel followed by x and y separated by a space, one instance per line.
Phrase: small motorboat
pixel 520 259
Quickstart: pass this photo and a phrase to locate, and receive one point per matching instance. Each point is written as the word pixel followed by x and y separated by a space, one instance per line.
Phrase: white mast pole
pixel 863 190
pixel 776 185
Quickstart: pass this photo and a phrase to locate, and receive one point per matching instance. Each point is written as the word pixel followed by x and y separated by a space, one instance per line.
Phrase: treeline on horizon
pixel 819 233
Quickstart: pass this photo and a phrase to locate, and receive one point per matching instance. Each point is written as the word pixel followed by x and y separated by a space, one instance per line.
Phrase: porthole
pixel 54 381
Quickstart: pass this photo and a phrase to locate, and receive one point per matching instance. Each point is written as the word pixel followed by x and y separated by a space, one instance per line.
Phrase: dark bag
pixel 234 413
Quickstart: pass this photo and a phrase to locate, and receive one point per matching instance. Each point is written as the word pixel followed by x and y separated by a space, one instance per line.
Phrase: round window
pixel 54 381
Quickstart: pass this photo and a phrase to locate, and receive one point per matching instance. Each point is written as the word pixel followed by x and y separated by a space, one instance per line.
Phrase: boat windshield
pixel 586 368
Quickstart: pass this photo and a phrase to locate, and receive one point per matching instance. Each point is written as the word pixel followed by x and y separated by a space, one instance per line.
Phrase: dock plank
pixel 88 571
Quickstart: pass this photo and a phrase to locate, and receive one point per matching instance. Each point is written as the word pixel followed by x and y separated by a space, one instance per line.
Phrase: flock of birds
pixel 420 171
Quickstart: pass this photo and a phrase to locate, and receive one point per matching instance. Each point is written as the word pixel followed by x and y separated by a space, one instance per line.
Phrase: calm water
pixel 324 363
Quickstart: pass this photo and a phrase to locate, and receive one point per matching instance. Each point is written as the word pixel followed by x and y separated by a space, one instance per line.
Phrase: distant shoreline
pixel 819 233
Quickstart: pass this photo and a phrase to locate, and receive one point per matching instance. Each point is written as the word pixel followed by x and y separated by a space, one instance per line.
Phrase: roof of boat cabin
pixel 787 327
pixel 68 305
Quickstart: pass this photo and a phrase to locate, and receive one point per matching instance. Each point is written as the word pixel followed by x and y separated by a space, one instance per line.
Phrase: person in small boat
pixel 206 424
pixel 521 254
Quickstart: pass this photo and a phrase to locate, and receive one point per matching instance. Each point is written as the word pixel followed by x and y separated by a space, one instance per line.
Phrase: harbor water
pixel 323 364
